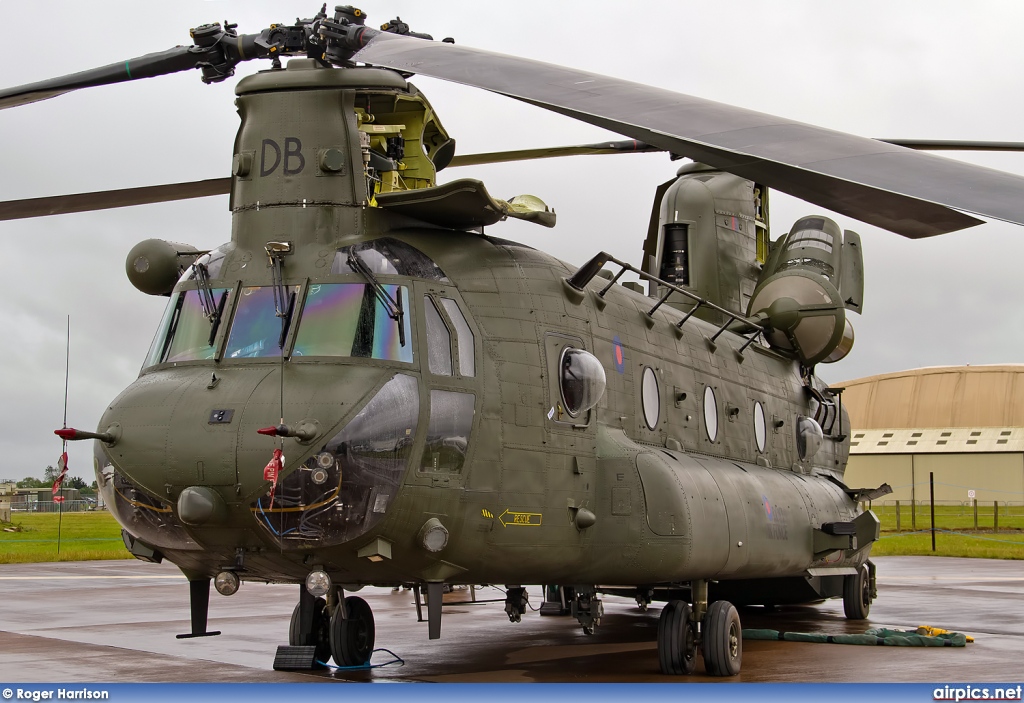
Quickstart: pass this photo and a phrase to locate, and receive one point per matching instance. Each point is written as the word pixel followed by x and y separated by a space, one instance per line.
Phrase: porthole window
pixel 581 380
pixel 651 398
pixel 808 437
pixel 710 413
pixel 760 429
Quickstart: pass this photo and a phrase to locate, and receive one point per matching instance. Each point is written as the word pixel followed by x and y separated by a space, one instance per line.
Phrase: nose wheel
pixel 310 625
pixel 352 632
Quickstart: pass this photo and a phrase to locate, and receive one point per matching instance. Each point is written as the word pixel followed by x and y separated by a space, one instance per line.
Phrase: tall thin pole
pixel 64 443
pixel 931 493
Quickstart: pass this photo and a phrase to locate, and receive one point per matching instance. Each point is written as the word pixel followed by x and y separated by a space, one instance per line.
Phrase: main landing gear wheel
pixel 723 640
pixel 319 636
pixel 677 639
pixel 857 594
pixel 352 637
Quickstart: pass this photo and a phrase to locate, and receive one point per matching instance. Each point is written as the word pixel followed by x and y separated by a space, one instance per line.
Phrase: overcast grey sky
pixel 925 69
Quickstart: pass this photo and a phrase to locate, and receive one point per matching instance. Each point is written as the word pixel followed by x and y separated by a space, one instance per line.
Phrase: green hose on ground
pixel 873 637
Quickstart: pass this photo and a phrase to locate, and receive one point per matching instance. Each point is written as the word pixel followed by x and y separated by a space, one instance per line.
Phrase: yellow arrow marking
pixel 515 518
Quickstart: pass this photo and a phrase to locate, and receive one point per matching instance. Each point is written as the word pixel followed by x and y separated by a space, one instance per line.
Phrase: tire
pixel 352 637
pixel 677 644
pixel 857 595
pixel 723 640
pixel 297 636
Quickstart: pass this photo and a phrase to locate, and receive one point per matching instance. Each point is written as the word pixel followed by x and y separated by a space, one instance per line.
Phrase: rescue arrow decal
pixel 525 519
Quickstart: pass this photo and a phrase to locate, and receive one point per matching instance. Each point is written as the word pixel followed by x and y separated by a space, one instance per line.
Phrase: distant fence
pixel 901 515
pixel 70 506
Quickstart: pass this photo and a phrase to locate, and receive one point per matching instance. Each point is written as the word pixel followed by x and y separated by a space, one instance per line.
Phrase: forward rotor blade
pixel 108 199
pixel 907 192
pixel 180 58
pixel 628 146
pixel 954 145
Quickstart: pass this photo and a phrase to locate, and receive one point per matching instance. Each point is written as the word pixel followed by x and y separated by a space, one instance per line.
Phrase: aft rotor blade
pixel 628 146
pixel 632 146
pixel 108 199
pixel 908 192
pixel 180 58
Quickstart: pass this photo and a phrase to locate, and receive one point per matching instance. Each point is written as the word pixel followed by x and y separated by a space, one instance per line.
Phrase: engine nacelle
pixel 812 276
pixel 154 265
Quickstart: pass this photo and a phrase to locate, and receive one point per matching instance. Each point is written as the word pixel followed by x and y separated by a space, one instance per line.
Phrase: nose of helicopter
pixel 189 433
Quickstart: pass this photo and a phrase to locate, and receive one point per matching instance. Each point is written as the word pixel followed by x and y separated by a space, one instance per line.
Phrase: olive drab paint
pixel 661 499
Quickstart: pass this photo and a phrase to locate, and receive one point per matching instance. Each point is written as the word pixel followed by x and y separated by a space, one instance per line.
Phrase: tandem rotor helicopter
pixel 365 387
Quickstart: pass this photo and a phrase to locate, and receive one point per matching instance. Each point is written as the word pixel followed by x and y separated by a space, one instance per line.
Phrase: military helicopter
pixel 447 402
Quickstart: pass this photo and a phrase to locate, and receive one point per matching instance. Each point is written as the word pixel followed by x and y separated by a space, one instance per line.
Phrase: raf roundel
pixel 618 355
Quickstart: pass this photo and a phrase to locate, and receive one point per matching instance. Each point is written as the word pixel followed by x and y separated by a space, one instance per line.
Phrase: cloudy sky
pixel 921 69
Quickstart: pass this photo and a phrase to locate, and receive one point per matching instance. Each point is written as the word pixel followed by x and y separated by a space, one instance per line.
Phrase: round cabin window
pixel 650 398
pixel 760 429
pixel 710 413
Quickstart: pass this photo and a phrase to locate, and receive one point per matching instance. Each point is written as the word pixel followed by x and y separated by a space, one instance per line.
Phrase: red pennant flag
pixel 62 466
pixel 272 470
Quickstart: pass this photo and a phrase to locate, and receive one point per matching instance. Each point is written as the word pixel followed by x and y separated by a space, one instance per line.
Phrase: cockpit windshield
pixel 348 319
pixel 369 319
pixel 184 333
pixel 256 328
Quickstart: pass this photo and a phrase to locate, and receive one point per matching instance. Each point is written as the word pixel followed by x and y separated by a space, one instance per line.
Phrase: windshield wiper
pixel 212 310
pixel 284 302
pixel 392 305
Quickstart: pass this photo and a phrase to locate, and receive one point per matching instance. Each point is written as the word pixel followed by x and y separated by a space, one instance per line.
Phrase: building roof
pixel 938 397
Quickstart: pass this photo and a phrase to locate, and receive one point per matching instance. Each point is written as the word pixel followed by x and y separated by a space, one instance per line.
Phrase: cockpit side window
pixel 439 341
pixel 386 256
pixel 156 349
pixel 467 349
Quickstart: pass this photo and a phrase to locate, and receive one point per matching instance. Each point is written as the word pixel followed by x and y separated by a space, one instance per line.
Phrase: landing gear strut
pixel 516 600
pixel 587 609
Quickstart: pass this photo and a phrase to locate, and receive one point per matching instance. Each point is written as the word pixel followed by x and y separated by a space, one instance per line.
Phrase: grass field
pixel 914 535
pixel 950 517
pixel 83 536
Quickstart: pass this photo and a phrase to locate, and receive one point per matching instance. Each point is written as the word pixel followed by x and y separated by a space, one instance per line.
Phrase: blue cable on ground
pixel 397 660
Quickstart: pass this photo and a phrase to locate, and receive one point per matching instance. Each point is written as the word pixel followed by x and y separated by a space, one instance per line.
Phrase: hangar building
pixel 964 423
